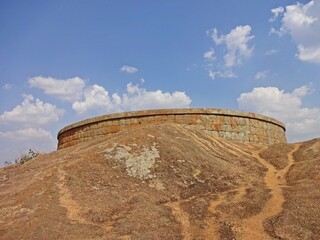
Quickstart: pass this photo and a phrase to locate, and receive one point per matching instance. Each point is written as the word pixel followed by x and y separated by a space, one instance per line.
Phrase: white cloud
pixel 222 74
pixel 276 12
pixel 237 43
pixel 128 69
pixel 68 89
pixel 302 123
pixel 237 50
pixel 309 54
pixel 26 134
pixel 261 75
pixel 97 99
pixel 302 22
pixel 209 55
pixel 32 112
pixel 139 98
pixel 7 86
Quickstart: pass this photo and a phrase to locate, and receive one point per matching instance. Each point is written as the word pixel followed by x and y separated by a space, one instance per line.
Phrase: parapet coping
pixel 180 111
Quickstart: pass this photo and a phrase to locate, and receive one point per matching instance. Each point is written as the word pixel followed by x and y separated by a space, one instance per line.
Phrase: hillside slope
pixel 164 182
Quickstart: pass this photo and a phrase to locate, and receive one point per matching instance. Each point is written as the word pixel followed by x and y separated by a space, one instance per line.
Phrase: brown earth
pixel 164 182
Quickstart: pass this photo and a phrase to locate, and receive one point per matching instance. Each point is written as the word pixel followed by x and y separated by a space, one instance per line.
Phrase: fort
pixel 231 125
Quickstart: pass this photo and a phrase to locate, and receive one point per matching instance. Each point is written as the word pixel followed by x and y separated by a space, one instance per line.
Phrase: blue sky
pixel 64 61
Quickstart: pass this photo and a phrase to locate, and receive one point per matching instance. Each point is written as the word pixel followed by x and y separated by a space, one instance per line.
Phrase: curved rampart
pixel 231 125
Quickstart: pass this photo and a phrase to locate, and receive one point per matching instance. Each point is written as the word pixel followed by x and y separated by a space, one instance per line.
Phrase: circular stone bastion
pixel 230 125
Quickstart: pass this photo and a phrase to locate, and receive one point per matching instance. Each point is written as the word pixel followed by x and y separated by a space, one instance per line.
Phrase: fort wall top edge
pixel 191 112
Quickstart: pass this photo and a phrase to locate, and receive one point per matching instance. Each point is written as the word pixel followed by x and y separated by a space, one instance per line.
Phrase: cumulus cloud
pixel 302 23
pixel 97 99
pixel 128 69
pixel 209 55
pixel 32 111
pixel 261 75
pixel 302 123
pixel 68 89
pixel 138 98
pixel 309 54
pixel 237 44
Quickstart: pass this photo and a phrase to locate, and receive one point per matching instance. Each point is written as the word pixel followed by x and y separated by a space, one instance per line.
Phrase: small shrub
pixel 27 157
pixel 7 163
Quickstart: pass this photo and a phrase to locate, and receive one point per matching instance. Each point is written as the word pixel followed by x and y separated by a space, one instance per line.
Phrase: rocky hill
pixel 164 182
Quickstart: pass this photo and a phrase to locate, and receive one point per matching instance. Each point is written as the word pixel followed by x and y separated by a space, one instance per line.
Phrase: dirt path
pixel 183 218
pixel 213 223
pixel 253 226
pixel 66 200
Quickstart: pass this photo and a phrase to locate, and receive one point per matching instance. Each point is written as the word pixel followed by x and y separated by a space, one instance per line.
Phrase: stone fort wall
pixel 231 125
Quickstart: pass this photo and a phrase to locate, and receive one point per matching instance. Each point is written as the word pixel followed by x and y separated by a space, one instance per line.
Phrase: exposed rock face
pixel 137 165
pixel 227 124
pixel 166 181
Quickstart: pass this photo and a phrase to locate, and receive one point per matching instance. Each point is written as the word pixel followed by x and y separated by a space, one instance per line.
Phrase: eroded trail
pixel 252 228
pixel 213 223
pixel 181 217
pixel 74 209
pixel 66 200
pixel 218 218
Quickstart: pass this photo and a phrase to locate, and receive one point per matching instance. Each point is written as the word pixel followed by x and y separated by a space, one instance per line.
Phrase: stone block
pixel 241 121
pixel 215 133
pixel 113 129
pixel 179 119
pixel 115 123
pixel 215 126
pixel 190 119
pixel 122 122
pixel 208 128
pixel 234 122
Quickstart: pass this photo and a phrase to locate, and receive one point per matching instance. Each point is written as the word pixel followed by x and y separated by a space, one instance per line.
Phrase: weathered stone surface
pixel 232 125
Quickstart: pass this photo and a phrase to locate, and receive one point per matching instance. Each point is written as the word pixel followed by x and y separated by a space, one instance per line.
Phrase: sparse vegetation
pixel 24 158
pixel 27 157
